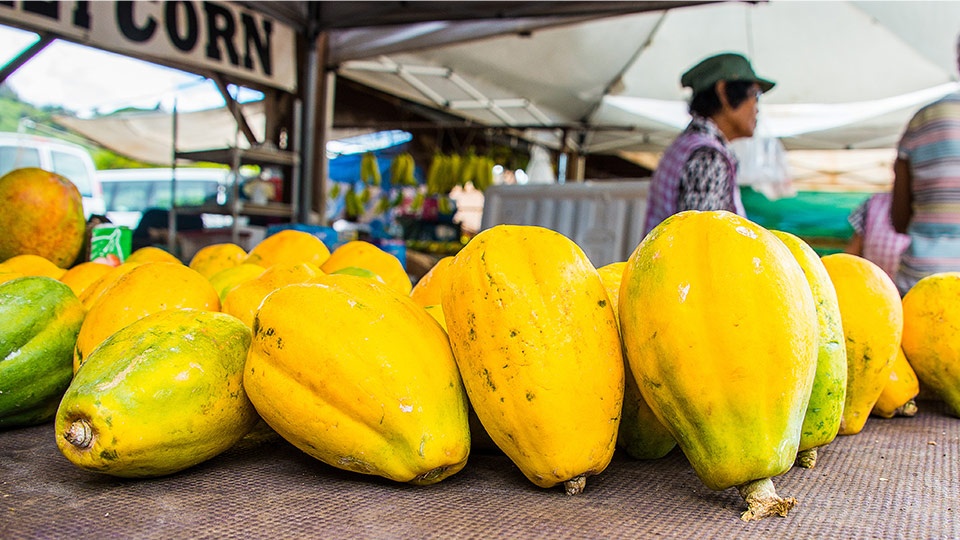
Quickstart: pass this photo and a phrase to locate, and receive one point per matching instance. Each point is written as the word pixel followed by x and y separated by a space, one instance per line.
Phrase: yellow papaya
pixel 436 312
pixel 148 288
pixel 897 397
pixel 161 395
pixel 641 435
pixel 32 265
pixel 872 316
pixel 84 275
pixel 152 254
pixel 361 378
pixel 720 331
pixel 536 341
pixel 216 257
pixel 225 280
pixel 427 290
pixel 93 291
pixel 931 335
pixel 288 247
pixel 368 256
pixel 822 420
pixel 243 300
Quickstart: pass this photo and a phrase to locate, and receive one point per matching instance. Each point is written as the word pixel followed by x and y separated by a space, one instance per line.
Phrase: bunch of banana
pixel 370 169
pixel 468 168
pixel 444 173
pixel 402 170
pixel 483 172
pixel 354 208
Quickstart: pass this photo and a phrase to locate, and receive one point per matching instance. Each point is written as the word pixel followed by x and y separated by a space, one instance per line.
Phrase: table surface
pixel 898 478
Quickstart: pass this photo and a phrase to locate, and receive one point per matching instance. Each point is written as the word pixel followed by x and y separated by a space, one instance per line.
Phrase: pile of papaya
pixel 734 343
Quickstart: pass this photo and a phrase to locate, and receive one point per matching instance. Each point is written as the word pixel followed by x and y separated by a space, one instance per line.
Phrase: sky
pixel 89 81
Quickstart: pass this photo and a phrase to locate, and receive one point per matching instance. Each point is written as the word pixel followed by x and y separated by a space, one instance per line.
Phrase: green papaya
pixel 158 396
pixel 39 322
pixel 822 420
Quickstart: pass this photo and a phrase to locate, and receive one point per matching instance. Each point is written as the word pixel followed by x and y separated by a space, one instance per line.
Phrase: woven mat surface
pixel 898 478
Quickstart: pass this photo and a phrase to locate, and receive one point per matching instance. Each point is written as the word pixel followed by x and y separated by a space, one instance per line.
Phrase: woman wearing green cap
pixel 698 171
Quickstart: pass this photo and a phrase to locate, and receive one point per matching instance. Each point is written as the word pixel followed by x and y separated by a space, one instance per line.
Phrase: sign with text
pixel 204 36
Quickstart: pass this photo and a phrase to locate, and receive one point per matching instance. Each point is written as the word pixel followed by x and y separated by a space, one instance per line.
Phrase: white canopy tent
pixel 849 73
pixel 602 77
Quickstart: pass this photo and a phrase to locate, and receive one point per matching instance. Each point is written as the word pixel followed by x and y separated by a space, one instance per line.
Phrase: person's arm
pixel 901 207
pixel 857 220
pixel 855 246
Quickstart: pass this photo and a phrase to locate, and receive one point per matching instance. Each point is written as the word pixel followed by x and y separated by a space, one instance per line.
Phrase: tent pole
pixel 307 135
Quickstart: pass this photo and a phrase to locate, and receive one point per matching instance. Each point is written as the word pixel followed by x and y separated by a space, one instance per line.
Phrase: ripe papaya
pixel 898 396
pixel 720 331
pixel 427 290
pixel 288 247
pixel 216 257
pixel 641 435
pixel 536 340
pixel 39 321
pixel 84 275
pixel 366 255
pixel 41 213
pixel 822 420
pixel 225 280
pixel 152 254
pixel 161 395
pixel 931 335
pixel 148 288
pixel 243 300
pixel 32 265
pixel 872 316
pixel 360 377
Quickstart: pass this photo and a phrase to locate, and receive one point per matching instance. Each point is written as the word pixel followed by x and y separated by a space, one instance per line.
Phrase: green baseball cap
pixel 722 67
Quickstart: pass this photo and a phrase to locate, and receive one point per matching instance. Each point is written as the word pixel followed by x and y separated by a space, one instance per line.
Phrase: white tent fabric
pixel 148 136
pixel 849 74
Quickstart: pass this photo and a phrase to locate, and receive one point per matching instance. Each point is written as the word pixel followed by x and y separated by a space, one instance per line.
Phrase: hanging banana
pixel 397 172
pixel 434 172
pixel 370 169
pixel 468 168
pixel 453 170
pixel 410 177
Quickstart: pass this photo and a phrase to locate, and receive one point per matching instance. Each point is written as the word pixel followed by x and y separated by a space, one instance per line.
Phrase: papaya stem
pixel 907 409
pixel 763 501
pixel 79 434
pixel 575 485
pixel 807 458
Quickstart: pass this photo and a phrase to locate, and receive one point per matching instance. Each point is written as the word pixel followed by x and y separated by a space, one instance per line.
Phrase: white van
pixel 129 192
pixel 72 161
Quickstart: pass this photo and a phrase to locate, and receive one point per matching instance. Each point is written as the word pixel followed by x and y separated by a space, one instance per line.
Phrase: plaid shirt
pixel 697 172
pixel 881 244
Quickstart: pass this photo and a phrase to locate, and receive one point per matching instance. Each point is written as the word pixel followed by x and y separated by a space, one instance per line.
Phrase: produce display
pixel 733 343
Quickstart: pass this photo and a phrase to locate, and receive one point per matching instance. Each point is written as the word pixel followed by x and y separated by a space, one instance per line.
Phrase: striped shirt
pixel 882 244
pixel 697 172
pixel 931 145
